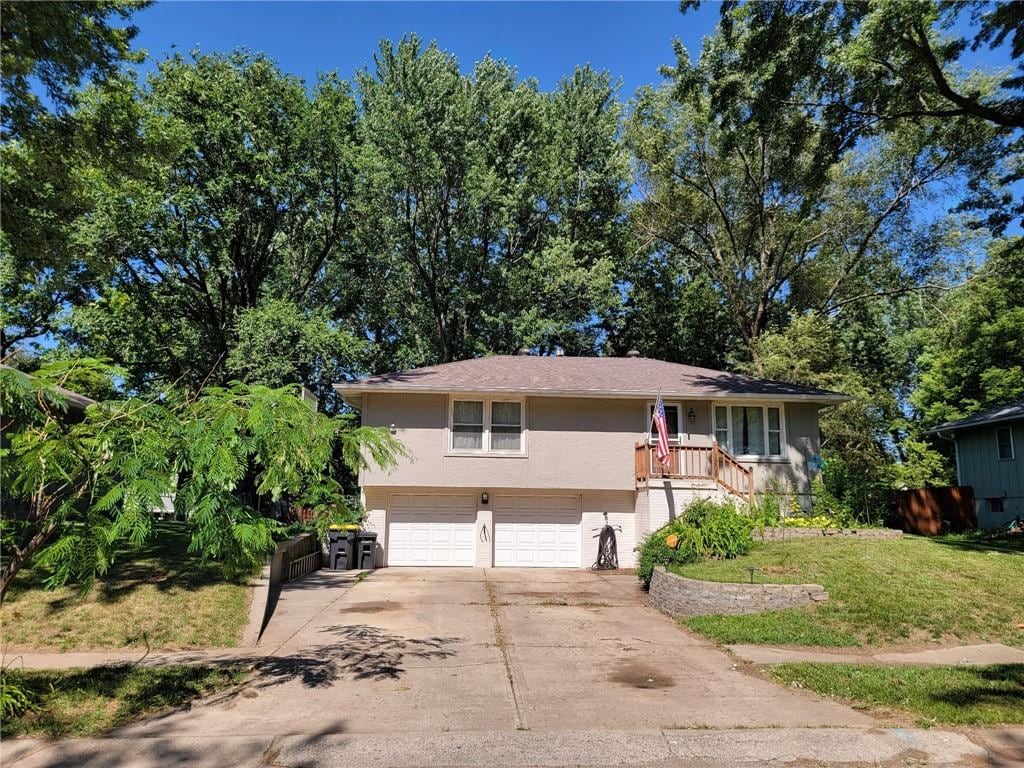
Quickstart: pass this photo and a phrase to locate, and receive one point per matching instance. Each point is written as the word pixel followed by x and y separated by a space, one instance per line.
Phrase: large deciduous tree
pixel 238 189
pixel 491 214
pixel 774 206
pixel 973 347
pixel 867 67
pixel 48 51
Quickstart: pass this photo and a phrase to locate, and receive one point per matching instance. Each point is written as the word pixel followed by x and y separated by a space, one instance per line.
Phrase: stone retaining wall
pixel 773 534
pixel 680 597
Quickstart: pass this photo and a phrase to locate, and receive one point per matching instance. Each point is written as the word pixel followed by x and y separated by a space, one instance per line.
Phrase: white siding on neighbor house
pixel 981 468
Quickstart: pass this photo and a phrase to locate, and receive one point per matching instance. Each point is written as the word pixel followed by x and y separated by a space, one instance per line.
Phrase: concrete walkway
pixel 966 655
pixel 511 667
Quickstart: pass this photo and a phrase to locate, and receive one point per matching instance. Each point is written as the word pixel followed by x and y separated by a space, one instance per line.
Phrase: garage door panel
pixel 537 531
pixel 431 529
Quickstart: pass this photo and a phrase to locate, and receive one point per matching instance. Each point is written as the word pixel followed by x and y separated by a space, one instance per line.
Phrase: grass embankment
pixel 89 702
pixel 931 695
pixel 882 592
pixel 157 595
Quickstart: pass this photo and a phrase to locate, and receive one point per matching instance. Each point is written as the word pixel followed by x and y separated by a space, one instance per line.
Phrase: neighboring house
pixel 988 449
pixel 519 461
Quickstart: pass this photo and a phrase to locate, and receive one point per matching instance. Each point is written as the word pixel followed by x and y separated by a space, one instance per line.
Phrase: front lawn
pixel 89 702
pixel 933 695
pixel 159 595
pixel 882 591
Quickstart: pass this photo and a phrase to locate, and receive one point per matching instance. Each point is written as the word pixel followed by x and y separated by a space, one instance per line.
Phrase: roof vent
pixel 523 352
pixel 633 353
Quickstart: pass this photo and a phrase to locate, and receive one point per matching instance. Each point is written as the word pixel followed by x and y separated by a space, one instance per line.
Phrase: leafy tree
pixel 57 45
pixel 973 350
pixel 490 213
pixel 278 344
pixel 868 67
pixel 90 484
pixel 238 188
pixel 775 216
pixel 50 49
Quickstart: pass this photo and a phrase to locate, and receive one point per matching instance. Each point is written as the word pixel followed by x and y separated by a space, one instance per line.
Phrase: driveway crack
pixel 502 643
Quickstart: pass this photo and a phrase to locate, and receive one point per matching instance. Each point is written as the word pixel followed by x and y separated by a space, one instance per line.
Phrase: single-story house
pixel 988 449
pixel 521 460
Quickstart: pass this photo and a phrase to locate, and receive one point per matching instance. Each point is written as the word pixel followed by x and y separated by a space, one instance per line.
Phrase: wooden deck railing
pixel 695 462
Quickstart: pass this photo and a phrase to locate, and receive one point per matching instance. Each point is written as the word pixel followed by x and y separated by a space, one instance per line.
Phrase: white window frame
pixel 485 449
pixel 649 431
pixel 1013 450
pixel 764 406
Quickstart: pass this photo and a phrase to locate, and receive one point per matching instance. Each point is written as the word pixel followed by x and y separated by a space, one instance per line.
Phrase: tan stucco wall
pixel 580 443
pixel 570 442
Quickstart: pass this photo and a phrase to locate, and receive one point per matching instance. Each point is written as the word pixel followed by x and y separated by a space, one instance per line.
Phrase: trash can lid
pixel 345 527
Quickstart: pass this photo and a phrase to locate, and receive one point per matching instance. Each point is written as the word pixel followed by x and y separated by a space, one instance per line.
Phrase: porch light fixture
pixel 394 430
pixel 484 498
pixel 691 416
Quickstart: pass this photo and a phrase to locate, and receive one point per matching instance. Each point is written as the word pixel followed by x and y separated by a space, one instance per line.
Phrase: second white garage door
pixel 537 531
pixel 431 529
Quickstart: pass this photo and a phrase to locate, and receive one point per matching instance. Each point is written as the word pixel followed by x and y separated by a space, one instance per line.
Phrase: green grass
pixel 882 592
pixel 159 595
pixel 932 695
pixel 89 702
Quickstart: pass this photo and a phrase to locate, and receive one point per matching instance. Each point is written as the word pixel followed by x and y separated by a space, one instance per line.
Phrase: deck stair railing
pixel 696 462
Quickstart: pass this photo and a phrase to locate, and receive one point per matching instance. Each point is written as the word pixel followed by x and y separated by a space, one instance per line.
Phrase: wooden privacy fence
pixel 931 511
pixel 294 558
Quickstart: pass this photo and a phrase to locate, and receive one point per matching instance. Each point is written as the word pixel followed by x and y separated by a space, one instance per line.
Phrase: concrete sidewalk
pixel 966 655
pixel 522 749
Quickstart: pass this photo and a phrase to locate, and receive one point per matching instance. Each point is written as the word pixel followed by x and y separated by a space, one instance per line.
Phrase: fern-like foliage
pixel 89 484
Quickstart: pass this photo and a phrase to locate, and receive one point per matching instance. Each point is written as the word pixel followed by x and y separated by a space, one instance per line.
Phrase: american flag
pixel 662 426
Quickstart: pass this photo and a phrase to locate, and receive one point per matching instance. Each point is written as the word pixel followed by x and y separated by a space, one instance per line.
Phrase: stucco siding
pixel 991 477
pixel 620 508
pixel 582 443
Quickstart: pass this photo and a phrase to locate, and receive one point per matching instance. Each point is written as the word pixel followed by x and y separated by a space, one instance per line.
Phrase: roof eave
pixel 349 389
pixel 954 426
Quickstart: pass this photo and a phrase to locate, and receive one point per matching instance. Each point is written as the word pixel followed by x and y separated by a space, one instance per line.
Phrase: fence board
pixel 931 511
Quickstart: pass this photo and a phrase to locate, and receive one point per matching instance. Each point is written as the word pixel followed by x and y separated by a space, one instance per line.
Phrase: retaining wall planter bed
pixel 774 534
pixel 681 598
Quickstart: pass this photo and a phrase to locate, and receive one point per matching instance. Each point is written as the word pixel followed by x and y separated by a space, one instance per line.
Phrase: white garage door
pixel 537 531
pixel 431 529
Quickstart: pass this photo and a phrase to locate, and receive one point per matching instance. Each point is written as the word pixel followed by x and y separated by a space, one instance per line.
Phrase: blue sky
pixel 543 40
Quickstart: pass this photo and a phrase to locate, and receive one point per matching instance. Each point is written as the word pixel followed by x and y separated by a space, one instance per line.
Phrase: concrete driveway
pixel 418 650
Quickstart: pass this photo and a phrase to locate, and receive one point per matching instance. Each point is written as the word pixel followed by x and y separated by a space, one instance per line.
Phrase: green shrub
pixel 15 695
pixel 827 505
pixel 705 529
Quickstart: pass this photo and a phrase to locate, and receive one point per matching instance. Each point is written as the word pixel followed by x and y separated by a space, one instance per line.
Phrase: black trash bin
pixel 342 553
pixel 366 546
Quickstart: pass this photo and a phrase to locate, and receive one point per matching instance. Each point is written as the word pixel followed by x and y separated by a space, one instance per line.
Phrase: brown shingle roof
pixel 582 377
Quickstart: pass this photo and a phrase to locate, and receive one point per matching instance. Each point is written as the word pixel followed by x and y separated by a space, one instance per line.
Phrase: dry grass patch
pixel 158 596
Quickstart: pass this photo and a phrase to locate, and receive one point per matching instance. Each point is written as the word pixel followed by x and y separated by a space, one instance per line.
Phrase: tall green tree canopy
pixel 491 214
pixel 973 355
pixel 238 187
pixel 867 67
pixel 47 50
